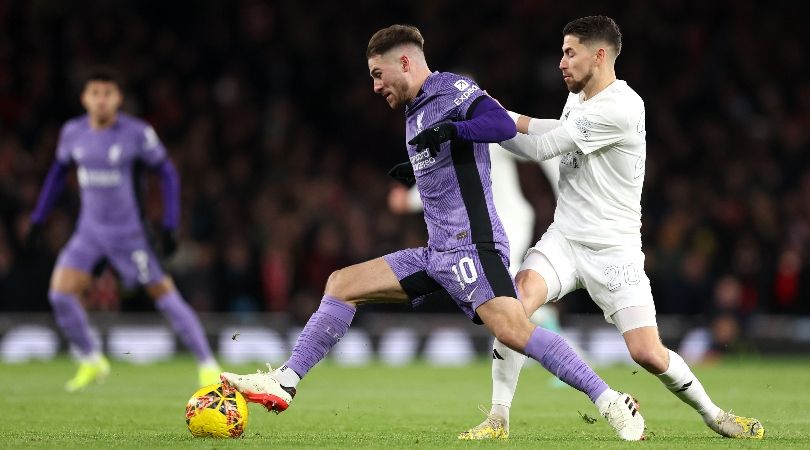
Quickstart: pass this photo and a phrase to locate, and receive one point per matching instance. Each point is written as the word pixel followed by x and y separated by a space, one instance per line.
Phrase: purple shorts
pixel 130 254
pixel 470 275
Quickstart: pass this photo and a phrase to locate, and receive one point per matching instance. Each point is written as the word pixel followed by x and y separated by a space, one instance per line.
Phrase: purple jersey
pixel 455 186
pixel 106 160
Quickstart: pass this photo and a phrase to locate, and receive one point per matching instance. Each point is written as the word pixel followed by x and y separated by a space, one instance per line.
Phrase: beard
pixel 575 87
pixel 399 89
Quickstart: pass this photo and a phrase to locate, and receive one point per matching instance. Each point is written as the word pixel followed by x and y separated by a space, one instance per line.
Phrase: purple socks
pixel 72 320
pixel 186 325
pixel 553 353
pixel 322 331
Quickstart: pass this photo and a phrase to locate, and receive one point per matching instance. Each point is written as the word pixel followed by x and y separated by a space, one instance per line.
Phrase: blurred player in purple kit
pixel 449 121
pixel 107 147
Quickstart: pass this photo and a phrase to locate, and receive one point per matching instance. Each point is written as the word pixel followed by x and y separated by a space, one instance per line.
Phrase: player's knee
pixel 650 358
pixel 68 281
pixel 161 288
pixel 337 283
pixel 511 334
pixel 532 290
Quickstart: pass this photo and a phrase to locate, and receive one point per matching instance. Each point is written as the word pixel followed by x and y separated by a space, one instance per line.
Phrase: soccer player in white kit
pixel 595 239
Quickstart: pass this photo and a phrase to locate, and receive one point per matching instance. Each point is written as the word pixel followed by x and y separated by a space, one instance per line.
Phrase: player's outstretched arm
pixel 539 139
pixel 489 122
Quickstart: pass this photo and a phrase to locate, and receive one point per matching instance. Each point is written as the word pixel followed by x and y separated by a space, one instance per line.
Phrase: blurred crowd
pixel 267 110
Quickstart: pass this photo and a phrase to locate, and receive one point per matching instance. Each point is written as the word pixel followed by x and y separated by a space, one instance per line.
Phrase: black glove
pixel 168 242
pixel 433 137
pixel 403 172
pixel 33 238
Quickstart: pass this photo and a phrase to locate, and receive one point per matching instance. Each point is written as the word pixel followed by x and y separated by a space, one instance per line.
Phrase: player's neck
pixel 98 123
pixel 598 86
pixel 419 80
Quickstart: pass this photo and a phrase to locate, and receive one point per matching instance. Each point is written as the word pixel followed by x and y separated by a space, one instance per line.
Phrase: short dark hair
pixel 390 37
pixel 595 28
pixel 105 74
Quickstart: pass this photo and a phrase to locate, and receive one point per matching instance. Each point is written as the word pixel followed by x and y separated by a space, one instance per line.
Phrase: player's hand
pixel 433 137
pixel 168 242
pixel 403 172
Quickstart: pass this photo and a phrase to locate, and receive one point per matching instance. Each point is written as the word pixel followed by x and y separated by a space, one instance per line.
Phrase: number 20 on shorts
pixel 617 276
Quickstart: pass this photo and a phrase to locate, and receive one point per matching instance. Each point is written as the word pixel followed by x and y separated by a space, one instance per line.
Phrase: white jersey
pixel 599 200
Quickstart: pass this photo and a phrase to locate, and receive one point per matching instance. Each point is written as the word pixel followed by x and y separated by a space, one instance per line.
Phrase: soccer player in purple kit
pixel 106 146
pixel 449 121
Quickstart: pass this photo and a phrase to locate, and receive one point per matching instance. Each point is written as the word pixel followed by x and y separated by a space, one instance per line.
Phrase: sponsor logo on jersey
pixel 463 97
pixel 114 154
pixel 422 160
pixel 99 177
pixel 461 85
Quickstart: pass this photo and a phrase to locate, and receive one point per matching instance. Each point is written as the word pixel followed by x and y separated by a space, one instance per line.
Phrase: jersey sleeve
pixel 598 128
pixel 152 151
pixel 461 93
pixel 63 145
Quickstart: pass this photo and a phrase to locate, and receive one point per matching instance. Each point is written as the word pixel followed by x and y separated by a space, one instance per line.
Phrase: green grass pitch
pixel 416 406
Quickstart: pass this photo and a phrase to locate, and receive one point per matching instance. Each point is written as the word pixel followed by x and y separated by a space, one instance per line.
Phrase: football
pixel 217 411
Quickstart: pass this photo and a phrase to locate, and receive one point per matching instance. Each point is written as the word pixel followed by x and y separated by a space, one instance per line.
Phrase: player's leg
pixel 507 320
pixel 371 281
pixel 186 325
pixel 507 363
pixel 638 326
pixel 69 281
pixel 478 281
pixel 538 281
pixel 137 264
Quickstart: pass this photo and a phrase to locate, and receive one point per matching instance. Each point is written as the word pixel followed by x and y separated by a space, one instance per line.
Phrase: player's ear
pixel 600 55
pixel 405 63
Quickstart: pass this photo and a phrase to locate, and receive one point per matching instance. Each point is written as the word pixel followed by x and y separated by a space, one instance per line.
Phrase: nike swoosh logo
pixel 469 296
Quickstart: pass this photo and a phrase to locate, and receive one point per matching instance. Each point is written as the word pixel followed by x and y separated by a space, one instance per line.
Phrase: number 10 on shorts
pixel 465 271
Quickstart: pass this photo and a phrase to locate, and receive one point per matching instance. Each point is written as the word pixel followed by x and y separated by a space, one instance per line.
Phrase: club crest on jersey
pixel 77 153
pixel 419 121
pixel 114 154
pixel 461 85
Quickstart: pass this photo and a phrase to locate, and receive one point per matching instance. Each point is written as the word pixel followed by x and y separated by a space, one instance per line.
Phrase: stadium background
pixel 268 112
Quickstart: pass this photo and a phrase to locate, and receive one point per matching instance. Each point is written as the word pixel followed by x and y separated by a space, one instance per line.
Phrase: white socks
pixel 286 376
pixel 506 365
pixel 680 380
pixel 603 401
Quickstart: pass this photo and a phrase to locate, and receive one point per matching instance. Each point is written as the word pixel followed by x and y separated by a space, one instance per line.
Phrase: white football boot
pixel 261 387
pixel 622 414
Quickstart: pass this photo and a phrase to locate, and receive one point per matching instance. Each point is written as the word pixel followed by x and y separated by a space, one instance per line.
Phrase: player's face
pixel 389 79
pixel 101 99
pixel 577 64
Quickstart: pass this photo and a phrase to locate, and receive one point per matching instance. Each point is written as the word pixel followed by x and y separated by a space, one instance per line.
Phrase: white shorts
pixel 613 276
